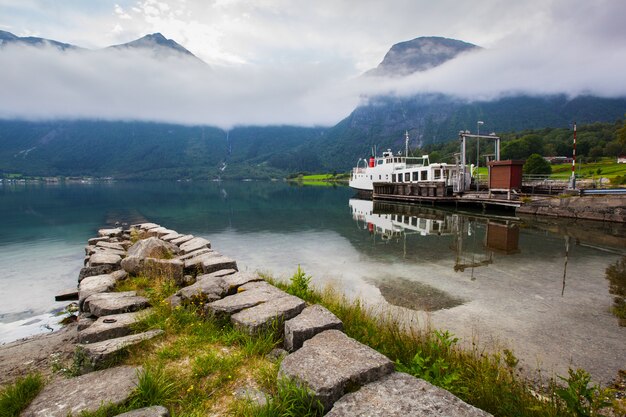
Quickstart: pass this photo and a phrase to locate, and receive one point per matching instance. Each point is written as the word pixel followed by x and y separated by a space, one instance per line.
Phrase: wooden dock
pixel 435 193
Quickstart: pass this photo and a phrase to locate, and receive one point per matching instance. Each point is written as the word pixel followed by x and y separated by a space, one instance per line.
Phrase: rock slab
pixel 110 327
pixel 250 295
pixel 261 317
pixel 400 395
pixel 311 321
pixel 103 351
pixel 84 393
pixel 331 362
pixel 106 304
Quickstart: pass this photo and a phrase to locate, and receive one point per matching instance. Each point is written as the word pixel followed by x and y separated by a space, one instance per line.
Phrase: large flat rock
pixel 261 317
pixel 110 245
pixel 195 254
pixel 94 285
pixel 182 239
pixel 194 244
pixel 218 263
pixel 171 236
pixel 104 258
pixel 90 271
pixel 84 393
pixel 100 352
pixel 110 327
pixel 250 295
pixel 154 411
pixel 400 395
pixel 105 304
pixel 208 288
pixel 311 321
pixel 330 362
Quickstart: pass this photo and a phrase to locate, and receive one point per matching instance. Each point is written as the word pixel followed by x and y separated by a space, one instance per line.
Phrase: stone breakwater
pixel 346 376
pixel 610 208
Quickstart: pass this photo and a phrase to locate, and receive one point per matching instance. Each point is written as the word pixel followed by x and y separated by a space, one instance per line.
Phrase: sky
pixel 297 61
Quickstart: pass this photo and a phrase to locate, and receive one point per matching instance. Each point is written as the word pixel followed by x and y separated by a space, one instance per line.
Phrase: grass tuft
pixel 16 397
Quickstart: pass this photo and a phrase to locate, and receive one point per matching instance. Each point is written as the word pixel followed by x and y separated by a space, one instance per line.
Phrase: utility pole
pixel 572 180
pixel 478 123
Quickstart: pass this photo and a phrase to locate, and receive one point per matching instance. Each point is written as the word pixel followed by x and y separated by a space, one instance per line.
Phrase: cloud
pixel 43 83
pixel 273 62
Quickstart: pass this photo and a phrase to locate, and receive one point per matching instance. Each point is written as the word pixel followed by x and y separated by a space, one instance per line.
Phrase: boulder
pixel 104 258
pixel 84 393
pixel 399 395
pixel 116 232
pixel 311 321
pixel 273 312
pixel 114 303
pixel 90 271
pixel 331 362
pixel 236 279
pixel 194 244
pixel 222 272
pixel 193 264
pixel 250 295
pixel 132 264
pixel 154 411
pixel 171 268
pixel 110 327
pixel 104 351
pixel 152 247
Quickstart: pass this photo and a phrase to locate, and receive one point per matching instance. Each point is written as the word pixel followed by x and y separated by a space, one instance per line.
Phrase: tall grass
pixel 16 397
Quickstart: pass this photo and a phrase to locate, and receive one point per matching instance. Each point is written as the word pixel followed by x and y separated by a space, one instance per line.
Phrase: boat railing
pixel 359 170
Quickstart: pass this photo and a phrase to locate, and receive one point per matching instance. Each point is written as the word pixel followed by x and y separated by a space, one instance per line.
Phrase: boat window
pixel 424 176
pixel 437 174
pixel 407 177
pixel 393 177
pixel 380 161
pixel 371 177
pixel 414 221
pixel 415 176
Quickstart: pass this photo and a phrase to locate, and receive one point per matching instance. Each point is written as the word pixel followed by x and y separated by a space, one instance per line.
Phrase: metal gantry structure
pixel 463 135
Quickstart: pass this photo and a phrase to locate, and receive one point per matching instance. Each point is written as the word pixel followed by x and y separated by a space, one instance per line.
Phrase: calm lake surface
pixel 537 286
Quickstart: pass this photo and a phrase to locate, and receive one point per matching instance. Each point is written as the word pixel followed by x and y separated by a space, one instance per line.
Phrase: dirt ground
pixel 36 354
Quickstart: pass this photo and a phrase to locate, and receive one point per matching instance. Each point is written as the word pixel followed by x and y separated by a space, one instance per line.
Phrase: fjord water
pixel 537 286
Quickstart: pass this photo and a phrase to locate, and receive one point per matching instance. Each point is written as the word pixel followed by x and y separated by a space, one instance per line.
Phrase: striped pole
pixel 573 179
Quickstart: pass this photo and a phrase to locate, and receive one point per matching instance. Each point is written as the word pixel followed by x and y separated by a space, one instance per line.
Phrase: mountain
pixel 140 150
pixel 419 54
pixel 7 38
pixel 148 151
pixel 157 43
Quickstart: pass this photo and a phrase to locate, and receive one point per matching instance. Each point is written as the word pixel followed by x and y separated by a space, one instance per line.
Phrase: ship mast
pixel 406 143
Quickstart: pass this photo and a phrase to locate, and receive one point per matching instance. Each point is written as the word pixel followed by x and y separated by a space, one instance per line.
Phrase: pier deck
pixel 438 194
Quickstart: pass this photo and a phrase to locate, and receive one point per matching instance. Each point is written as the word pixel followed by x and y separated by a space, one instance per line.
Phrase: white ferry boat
pixel 404 169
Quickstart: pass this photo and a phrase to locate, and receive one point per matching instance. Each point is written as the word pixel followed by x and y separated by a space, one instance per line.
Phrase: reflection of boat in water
pixel 390 221
pixel 388 225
